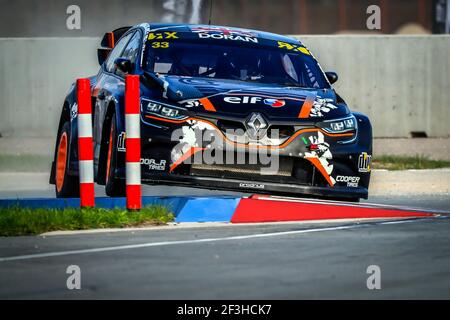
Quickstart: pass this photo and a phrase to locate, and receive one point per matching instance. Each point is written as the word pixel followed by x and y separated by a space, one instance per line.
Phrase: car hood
pixel 240 98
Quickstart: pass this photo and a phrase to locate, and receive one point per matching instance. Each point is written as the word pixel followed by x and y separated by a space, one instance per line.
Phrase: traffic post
pixel 133 143
pixel 85 147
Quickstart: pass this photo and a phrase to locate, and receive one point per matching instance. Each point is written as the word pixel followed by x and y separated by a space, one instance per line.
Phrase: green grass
pixel 17 221
pixel 25 163
pixel 404 162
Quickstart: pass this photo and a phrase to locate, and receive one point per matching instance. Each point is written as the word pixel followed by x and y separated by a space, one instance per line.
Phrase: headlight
pixel 339 125
pixel 162 110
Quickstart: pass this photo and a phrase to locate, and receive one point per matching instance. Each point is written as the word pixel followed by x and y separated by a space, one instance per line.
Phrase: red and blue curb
pixel 270 209
pixel 185 209
pixel 208 210
pixel 240 210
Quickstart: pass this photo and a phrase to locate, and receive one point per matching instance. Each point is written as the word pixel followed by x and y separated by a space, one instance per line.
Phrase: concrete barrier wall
pixel 35 76
pixel 401 82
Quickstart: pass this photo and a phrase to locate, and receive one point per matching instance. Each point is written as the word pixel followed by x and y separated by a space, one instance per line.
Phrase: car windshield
pixel 259 64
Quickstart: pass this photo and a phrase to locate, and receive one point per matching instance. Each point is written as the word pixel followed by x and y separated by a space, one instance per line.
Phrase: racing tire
pixel 66 186
pixel 114 187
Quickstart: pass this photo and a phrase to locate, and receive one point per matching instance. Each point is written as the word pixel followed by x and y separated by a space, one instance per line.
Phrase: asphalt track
pixel 222 261
pixel 282 261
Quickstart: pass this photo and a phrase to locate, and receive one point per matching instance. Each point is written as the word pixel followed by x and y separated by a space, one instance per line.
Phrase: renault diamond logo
pixel 256 126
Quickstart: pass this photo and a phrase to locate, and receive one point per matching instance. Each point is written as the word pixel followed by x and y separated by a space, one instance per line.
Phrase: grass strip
pixel 18 221
pixel 391 162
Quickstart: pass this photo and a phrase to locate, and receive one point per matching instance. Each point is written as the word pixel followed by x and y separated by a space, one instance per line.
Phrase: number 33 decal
pixel 162 45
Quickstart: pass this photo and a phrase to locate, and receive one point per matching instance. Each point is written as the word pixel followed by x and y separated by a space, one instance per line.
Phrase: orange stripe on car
pixel 306 107
pixel 207 104
pixel 167 120
pixel 319 166
pixel 314 161
pixel 288 141
pixel 184 157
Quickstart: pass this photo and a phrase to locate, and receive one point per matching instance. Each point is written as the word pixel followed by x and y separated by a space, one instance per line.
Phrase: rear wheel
pixel 66 186
pixel 114 187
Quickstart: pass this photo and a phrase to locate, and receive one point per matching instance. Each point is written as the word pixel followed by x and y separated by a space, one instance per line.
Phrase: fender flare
pixel 113 108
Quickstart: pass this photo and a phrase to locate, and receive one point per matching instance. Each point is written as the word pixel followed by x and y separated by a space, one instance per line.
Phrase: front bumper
pixel 260 187
pixel 333 171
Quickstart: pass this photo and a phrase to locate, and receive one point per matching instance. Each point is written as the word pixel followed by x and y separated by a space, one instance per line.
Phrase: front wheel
pixel 114 187
pixel 66 186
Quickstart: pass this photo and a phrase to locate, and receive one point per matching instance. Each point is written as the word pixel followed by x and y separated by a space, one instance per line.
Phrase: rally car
pixel 221 108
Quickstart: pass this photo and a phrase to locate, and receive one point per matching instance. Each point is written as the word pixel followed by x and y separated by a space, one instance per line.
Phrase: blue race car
pixel 221 108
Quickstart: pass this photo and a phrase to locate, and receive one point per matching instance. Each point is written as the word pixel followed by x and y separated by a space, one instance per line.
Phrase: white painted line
pixel 174 226
pixel 179 242
pixel 395 222
pixel 347 204
pixel 310 200
pixel 304 200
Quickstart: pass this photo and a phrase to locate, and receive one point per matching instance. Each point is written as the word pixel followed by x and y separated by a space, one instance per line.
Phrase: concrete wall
pixel 35 76
pixel 47 18
pixel 402 83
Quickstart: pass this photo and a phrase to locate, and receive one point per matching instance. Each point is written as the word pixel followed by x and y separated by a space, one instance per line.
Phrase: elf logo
pixel 245 99
pixel 276 103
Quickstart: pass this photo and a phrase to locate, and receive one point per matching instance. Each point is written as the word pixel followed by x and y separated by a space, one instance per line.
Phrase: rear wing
pixel 108 42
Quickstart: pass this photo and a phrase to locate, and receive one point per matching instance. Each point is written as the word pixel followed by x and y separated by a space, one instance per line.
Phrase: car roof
pixel 182 27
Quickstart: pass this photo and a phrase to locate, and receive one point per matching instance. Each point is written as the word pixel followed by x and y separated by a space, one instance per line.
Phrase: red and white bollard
pixel 133 142
pixel 85 147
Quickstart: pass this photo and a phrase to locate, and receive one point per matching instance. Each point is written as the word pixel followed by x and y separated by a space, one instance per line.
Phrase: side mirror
pixel 332 76
pixel 124 65
pixel 102 55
